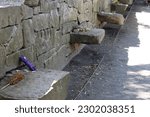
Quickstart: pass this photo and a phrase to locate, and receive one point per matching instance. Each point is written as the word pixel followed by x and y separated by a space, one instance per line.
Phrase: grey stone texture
pixel 43 84
pixel 32 3
pixel 126 1
pixel 10 15
pixel 120 8
pixel 2 60
pixel 40 30
pixel 113 18
pixel 94 36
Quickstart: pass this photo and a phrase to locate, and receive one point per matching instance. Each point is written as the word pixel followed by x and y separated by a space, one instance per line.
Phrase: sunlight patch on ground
pixel 145 73
pixel 141 55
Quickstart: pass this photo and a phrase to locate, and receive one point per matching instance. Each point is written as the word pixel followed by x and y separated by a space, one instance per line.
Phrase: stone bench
pixel 119 7
pixel 93 36
pixel 113 18
pixel 129 2
pixel 39 85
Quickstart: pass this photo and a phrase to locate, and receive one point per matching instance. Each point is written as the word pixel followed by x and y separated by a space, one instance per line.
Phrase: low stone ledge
pixel 32 3
pixel 119 7
pixel 113 18
pixel 129 2
pixel 43 84
pixel 93 36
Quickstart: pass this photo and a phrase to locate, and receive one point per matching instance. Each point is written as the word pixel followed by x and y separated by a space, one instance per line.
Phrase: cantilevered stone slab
pixel 93 36
pixel 119 7
pixel 45 84
pixel 32 3
pixel 113 18
pixel 126 1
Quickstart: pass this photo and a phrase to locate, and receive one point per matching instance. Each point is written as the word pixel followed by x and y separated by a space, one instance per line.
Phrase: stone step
pixel 39 85
pixel 119 7
pixel 113 18
pixel 93 36
pixel 129 2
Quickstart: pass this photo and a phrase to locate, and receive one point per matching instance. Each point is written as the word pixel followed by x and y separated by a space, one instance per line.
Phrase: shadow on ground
pixel 125 71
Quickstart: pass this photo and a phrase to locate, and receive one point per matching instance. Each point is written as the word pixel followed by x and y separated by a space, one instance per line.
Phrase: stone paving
pixel 124 72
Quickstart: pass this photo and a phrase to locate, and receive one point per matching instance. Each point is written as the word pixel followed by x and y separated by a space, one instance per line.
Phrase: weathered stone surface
pixel 113 18
pixel 65 39
pixel 44 56
pixel 32 3
pixel 94 36
pixel 54 19
pixel 2 61
pixel 41 22
pixel 40 29
pixel 88 10
pixel 126 1
pixel 36 10
pixel 67 14
pixel 82 18
pixel 43 42
pixel 59 57
pixel 16 42
pixel 7 33
pixel 68 27
pixel 44 6
pixel 27 12
pixel 120 8
pixel 47 5
pixel 10 15
pixel 96 5
pixel 44 84
pixel 105 5
pixel 28 33
pixel 12 61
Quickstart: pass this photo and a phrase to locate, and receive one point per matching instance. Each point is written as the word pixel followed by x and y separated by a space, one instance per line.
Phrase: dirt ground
pixel 82 66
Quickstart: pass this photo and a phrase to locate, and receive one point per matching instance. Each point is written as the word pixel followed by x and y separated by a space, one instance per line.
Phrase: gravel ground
pixel 124 73
pixel 82 66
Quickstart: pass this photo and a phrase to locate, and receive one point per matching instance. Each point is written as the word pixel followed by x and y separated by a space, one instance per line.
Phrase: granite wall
pixel 40 30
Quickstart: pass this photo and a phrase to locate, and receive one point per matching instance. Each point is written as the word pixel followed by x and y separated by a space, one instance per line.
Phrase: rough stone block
pixel 32 3
pixel 16 41
pixel 42 84
pixel 36 10
pixel 43 42
pixel 126 1
pixel 58 60
pixel 27 12
pixel 43 57
pixel 96 5
pixel 41 21
pixel 2 60
pixel 7 33
pixel 113 18
pixel 82 18
pixel 28 33
pixel 120 8
pixel 94 36
pixel 44 6
pixel 12 61
pixel 68 27
pixel 67 14
pixel 54 19
pixel 10 15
